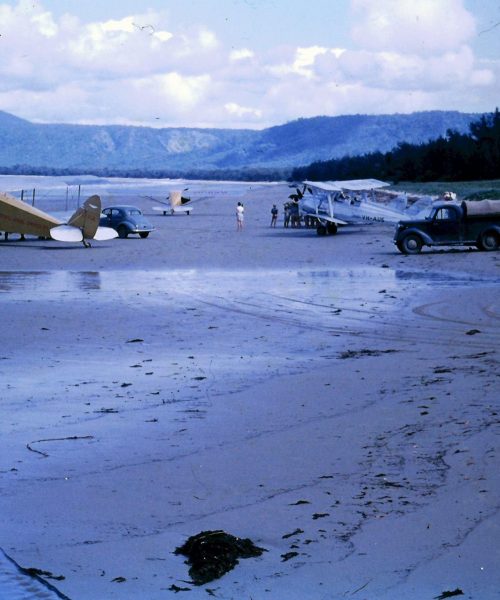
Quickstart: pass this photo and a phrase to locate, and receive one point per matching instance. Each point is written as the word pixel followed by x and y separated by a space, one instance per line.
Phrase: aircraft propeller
pixel 300 193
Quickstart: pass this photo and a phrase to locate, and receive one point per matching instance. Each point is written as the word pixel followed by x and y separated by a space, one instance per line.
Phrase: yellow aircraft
pixel 177 204
pixel 18 217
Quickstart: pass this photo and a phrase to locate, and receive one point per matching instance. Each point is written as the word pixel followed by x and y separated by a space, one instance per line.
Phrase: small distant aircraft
pixel 177 204
pixel 334 203
pixel 18 217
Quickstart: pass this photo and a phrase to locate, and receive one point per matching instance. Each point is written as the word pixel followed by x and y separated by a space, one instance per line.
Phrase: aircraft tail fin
pixel 86 218
pixel 84 224
pixel 177 199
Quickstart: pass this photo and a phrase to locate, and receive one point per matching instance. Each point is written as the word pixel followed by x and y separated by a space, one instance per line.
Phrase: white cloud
pixel 241 54
pixel 235 109
pixel 207 39
pixel 423 27
pixel 185 92
pixel 305 58
pixel 163 36
pixel 45 24
pixel 146 69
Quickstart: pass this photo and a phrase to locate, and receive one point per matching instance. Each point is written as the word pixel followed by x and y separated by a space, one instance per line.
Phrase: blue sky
pixel 245 63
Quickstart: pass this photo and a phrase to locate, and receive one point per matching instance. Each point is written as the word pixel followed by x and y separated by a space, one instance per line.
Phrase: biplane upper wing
pixel 352 185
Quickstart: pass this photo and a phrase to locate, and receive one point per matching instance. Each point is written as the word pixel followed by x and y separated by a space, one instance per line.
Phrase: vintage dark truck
pixel 452 224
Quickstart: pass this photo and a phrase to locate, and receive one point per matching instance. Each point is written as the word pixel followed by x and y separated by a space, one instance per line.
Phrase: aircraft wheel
pixel 488 241
pixel 411 244
pixel 144 234
pixel 321 230
pixel 332 228
pixel 122 232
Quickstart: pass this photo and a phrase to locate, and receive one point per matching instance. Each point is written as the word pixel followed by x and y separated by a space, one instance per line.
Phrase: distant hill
pixel 300 142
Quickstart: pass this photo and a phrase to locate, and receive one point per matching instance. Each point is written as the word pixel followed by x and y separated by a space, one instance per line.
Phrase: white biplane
pixel 335 203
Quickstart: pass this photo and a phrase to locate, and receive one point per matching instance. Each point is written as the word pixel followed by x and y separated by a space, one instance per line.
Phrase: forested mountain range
pixel 470 156
pixel 189 150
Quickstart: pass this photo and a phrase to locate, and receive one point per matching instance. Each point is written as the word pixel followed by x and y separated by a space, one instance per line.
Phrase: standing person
pixel 286 214
pixel 274 215
pixel 240 211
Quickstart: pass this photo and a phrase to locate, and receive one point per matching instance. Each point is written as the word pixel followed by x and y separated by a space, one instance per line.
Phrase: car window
pixel 134 211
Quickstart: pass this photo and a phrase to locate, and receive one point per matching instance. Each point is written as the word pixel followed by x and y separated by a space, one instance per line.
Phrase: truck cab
pixel 444 222
pixel 452 224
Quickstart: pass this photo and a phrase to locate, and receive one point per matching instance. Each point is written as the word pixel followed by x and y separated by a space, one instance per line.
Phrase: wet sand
pixel 329 398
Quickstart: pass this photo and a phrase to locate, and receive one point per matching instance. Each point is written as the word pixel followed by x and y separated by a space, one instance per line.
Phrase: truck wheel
pixel 321 230
pixel 411 244
pixel 488 241
pixel 332 228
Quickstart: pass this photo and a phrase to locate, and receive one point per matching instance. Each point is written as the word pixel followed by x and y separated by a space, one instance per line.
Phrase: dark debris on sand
pixel 450 594
pixel 211 554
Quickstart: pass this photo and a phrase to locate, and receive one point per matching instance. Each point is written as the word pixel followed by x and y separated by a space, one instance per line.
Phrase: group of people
pixel 291 216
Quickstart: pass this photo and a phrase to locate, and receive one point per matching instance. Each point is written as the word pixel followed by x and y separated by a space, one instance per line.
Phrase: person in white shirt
pixel 240 211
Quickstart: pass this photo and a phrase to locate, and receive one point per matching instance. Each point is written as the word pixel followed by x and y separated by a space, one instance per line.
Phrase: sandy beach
pixel 327 397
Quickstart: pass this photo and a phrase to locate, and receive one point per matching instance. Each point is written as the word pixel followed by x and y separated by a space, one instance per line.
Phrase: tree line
pixel 240 174
pixel 453 157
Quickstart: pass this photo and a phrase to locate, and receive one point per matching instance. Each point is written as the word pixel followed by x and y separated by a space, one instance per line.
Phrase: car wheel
pixel 488 241
pixel 411 244
pixel 144 234
pixel 122 232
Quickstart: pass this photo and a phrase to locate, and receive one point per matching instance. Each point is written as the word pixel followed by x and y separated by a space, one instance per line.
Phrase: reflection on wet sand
pixel 49 281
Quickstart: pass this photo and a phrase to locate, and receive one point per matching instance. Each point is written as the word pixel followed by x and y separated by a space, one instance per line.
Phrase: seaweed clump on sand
pixel 211 554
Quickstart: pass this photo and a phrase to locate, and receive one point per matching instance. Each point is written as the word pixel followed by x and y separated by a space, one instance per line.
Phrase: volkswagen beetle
pixel 126 220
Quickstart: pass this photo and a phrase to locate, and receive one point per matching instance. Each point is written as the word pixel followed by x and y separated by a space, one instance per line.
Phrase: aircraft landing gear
pixel 328 229
pixel 86 244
